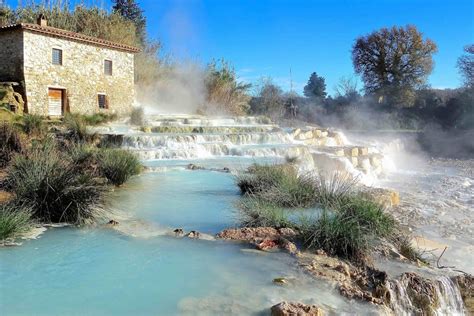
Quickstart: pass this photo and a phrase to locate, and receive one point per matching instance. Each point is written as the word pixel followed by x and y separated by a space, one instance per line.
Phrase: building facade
pixel 60 71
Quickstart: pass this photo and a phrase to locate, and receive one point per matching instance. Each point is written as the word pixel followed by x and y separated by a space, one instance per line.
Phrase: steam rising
pixel 180 90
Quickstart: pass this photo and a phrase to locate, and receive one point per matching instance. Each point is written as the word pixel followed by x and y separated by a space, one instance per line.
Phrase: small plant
pixel 278 184
pixel 334 189
pixel 76 127
pixel 13 220
pixel 10 142
pixel 255 212
pixel 55 187
pixel 406 249
pixel 99 118
pixel 118 165
pixel 137 117
pixel 350 231
pixel 33 124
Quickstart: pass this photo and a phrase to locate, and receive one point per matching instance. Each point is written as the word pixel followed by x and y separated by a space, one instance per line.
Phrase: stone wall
pixel 81 75
pixel 11 56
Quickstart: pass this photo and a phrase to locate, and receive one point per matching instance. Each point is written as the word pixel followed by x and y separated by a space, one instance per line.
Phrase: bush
pixel 335 189
pixel 137 116
pixel 76 127
pixel 278 184
pixel 350 231
pixel 10 143
pixel 255 212
pixel 32 124
pixel 99 118
pixel 55 187
pixel 13 220
pixel 118 165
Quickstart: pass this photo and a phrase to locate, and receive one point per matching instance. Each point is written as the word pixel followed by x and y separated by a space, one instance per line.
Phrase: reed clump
pixel 14 220
pixel 347 225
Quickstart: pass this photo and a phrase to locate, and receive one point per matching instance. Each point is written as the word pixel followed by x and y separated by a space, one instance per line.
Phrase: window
pixel 57 56
pixel 103 102
pixel 108 67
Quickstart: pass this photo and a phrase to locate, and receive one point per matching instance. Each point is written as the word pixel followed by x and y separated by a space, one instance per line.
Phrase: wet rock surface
pixel 465 284
pixel 362 283
pixel 264 238
pixel 295 309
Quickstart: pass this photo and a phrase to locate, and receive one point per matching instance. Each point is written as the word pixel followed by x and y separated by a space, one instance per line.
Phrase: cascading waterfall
pixel 446 298
pixel 203 138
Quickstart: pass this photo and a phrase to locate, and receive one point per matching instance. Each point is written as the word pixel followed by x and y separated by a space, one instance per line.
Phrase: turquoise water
pixel 100 271
pixel 188 199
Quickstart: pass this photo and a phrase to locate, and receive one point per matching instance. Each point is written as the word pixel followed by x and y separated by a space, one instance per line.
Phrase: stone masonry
pixel 26 57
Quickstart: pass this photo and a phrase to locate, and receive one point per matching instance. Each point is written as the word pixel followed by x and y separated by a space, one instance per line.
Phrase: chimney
pixel 42 21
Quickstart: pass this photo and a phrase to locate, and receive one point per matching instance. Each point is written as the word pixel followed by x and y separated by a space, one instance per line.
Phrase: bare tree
pixel 466 65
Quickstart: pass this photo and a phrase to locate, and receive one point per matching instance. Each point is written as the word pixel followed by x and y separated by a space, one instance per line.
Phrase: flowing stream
pixel 141 268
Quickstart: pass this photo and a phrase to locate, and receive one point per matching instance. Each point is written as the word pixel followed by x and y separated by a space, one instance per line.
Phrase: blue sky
pixel 268 37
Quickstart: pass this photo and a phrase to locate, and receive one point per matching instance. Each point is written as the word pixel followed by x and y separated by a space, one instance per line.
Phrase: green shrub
pixel 404 246
pixel 255 212
pixel 55 187
pixel 137 116
pixel 99 118
pixel 278 184
pixel 118 165
pixel 350 231
pixel 13 220
pixel 10 142
pixel 32 124
pixel 334 189
pixel 76 127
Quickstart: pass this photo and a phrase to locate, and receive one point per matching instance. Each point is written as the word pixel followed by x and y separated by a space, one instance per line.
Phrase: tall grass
pixel 255 212
pixel 350 231
pixel 33 124
pixel 348 226
pixel 76 127
pixel 55 187
pixel 10 142
pixel 14 220
pixel 118 165
pixel 278 184
pixel 98 118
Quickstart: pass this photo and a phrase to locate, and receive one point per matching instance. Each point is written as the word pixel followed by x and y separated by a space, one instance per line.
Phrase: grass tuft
pixel 10 142
pixel 33 125
pixel 13 220
pixel 351 230
pixel 255 212
pixel 278 184
pixel 55 187
pixel 99 118
pixel 118 165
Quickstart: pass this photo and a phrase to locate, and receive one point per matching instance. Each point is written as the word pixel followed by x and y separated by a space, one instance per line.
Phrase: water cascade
pixel 412 294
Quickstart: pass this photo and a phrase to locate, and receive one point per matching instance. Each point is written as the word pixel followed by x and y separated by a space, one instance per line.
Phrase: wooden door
pixel 55 102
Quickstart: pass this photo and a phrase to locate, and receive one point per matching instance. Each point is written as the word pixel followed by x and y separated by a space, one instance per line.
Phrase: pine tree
pixel 316 87
pixel 130 10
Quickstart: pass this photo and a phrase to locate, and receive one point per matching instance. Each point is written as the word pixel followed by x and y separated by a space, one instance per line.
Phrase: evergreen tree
pixel 316 87
pixel 130 10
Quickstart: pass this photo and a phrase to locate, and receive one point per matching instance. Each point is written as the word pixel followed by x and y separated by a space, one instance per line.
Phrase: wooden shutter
pixel 55 102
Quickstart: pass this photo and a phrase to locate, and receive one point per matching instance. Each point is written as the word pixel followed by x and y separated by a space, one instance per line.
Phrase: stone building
pixel 60 71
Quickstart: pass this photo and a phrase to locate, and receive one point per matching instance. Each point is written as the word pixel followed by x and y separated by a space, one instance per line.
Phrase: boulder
pixel 295 309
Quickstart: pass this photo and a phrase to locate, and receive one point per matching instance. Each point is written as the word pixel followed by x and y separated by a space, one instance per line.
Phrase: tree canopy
pixel 316 87
pixel 466 65
pixel 131 11
pixel 269 99
pixel 393 62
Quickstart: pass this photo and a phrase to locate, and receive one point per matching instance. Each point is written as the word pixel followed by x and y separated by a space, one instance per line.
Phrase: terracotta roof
pixel 48 30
